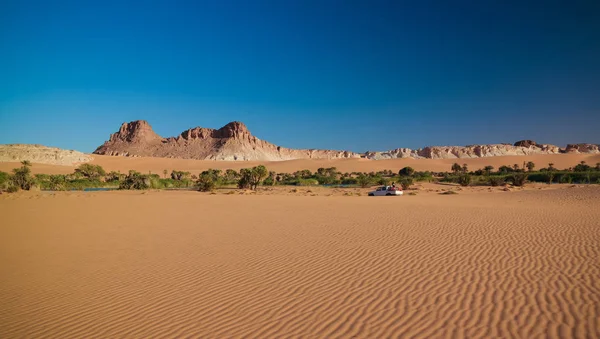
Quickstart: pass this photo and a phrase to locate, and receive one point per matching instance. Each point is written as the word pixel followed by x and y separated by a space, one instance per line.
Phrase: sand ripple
pixel 180 264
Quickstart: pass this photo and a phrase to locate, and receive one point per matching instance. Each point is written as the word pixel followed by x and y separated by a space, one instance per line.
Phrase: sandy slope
pixel 158 165
pixel 186 264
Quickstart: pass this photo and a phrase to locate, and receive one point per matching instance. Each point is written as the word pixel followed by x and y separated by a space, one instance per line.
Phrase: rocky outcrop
pixel 526 147
pixel 41 155
pixel 235 142
pixel 230 142
pixel 582 148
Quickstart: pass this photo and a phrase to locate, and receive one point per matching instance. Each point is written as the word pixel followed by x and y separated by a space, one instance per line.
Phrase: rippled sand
pixel 186 264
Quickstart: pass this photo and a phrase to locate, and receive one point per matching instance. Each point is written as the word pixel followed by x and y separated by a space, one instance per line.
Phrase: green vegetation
pixel 407 171
pixel 406 182
pixel 252 177
pixel 464 179
pixel 89 171
pixel 94 176
pixel 518 179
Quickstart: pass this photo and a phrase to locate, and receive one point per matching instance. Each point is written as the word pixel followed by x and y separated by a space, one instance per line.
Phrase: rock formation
pixel 41 155
pixel 582 148
pixel 235 142
pixel 231 142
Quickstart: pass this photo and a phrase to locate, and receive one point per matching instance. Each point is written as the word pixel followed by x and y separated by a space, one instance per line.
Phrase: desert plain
pixel 304 262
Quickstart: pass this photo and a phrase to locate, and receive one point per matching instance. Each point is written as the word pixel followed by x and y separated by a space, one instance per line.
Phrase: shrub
pixel 252 177
pixel 405 183
pixel 22 177
pixel 4 180
pixel 518 179
pixel 206 182
pixel 269 181
pixel 180 175
pixel 582 167
pixel 12 189
pixel 114 176
pixel 382 181
pixel 57 183
pixel 407 171
pixel 90 171
pixel 496 181
pixel 135 180
pixel 464 179
pixel 364 180
pixel 456 168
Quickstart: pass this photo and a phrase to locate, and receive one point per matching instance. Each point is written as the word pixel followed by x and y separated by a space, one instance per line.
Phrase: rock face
pixel 231 142
pixel 582 148
pixel 472 151
pixel 41 155
pixel 235 142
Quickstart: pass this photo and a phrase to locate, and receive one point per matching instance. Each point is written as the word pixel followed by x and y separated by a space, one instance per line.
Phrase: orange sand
pixel 192 265
pixel 158 165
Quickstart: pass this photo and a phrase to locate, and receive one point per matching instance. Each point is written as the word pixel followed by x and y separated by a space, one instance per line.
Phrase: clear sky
pixel 355 75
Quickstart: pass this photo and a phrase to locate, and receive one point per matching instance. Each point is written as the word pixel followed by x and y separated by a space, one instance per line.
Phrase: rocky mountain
pixel 471 151
pixel 231 142
pixel 235 142
pixel 41 155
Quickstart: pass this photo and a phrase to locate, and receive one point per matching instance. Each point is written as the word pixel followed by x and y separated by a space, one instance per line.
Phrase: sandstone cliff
pixel 41 155
pixel 231 142
pixel 525 147
pixel 235 142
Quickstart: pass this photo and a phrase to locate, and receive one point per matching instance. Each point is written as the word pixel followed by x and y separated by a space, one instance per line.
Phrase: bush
pixel 206 182
pixel 364 180
pixel 518 179
pixel 382 181
pixel 269 181
pixel 407 171
pixel 406 183
pixel 12 189
pixel 136 181
pixel 90 171
pixel 464 179
pixel 22 177
pixel 252 177
pixel 180 175
pixel 496 181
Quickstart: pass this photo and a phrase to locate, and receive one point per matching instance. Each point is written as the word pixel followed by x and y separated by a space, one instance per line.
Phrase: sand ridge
pixel 186 264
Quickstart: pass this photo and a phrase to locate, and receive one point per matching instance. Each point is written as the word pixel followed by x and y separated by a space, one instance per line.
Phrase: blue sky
pixel 356 75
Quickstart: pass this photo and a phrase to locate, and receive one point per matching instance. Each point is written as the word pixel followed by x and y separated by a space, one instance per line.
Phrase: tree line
pixel 94 176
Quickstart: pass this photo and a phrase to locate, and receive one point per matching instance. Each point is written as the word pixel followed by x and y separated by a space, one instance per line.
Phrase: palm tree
pixel 26 163
pixel 165 173
pixel 530 166
pixel 456 168
pixel 488 169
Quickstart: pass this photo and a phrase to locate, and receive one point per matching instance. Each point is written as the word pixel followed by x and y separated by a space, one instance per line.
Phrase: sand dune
pixel 187 264
pixel 158 165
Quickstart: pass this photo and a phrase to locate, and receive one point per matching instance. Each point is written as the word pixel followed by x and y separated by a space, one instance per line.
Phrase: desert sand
pixel 158 165
pixel 285 264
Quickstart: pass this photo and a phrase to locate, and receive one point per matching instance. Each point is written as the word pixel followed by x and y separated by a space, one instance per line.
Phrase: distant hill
pixel 235 142
pixel 41 155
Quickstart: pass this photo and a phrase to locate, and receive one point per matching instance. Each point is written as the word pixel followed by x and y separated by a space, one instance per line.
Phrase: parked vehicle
pixel 387 191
